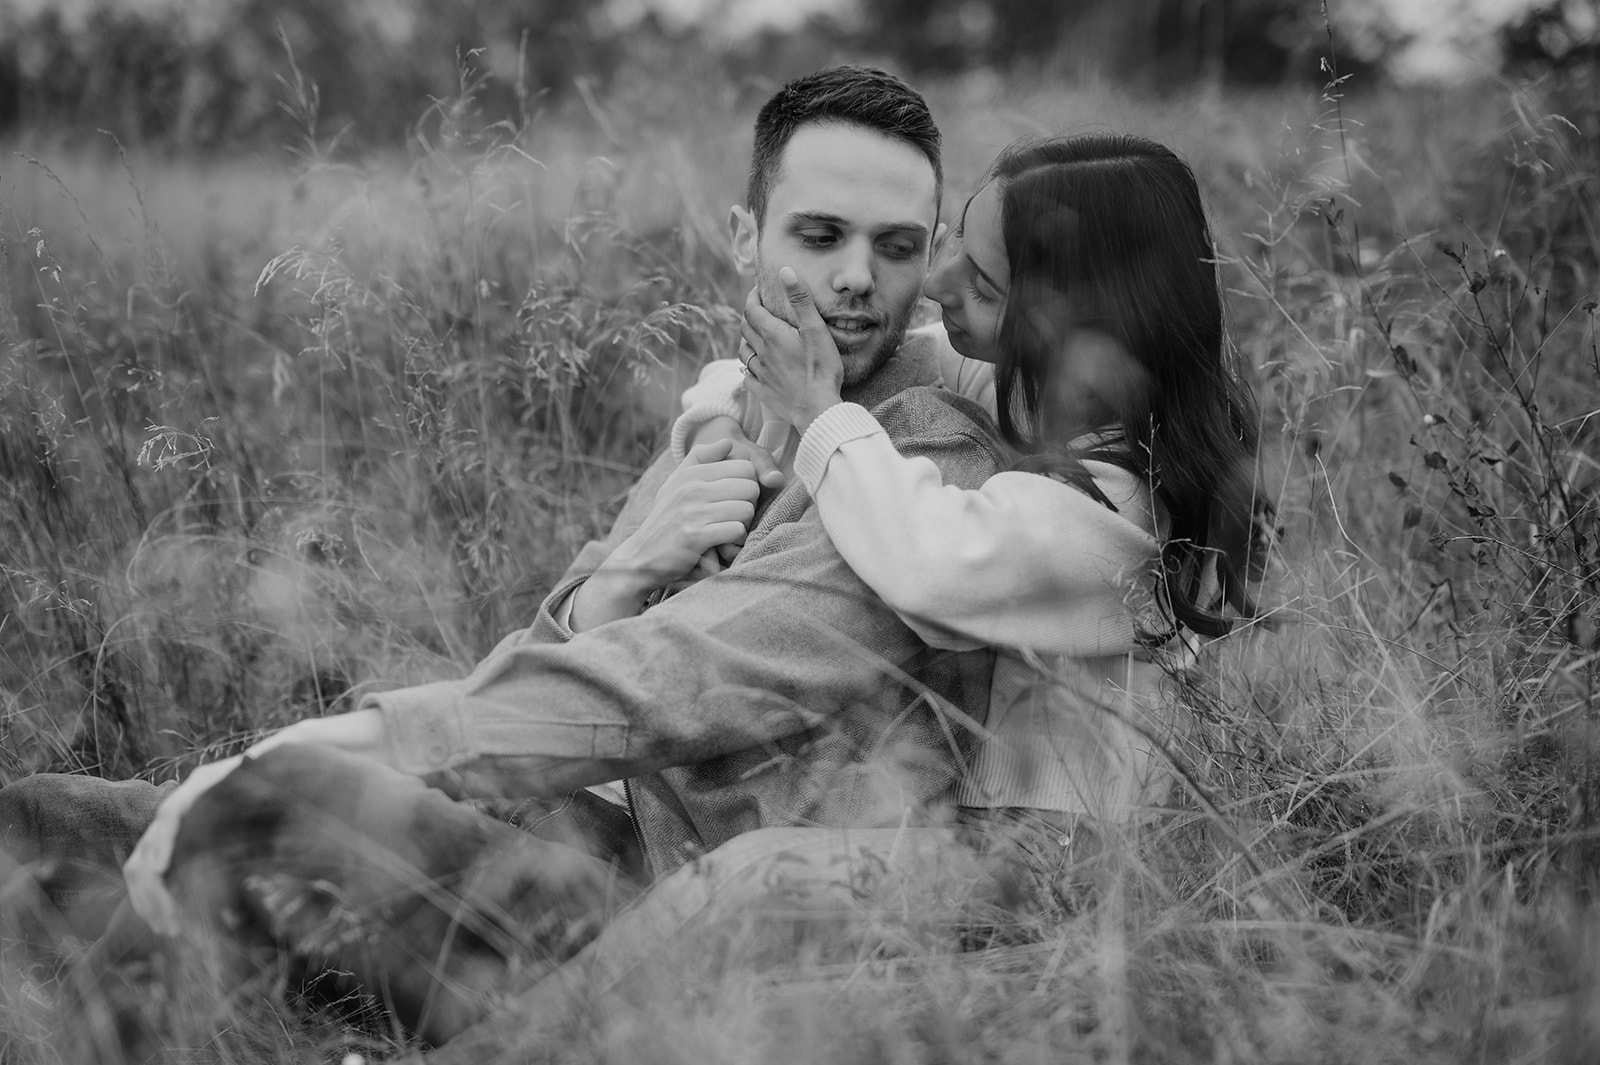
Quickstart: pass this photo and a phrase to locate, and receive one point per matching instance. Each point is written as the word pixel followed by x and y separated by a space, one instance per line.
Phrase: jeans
pixel 479 936
pixel 304 854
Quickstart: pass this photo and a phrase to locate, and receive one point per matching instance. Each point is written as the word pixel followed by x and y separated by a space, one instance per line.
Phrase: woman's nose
pixel 938 286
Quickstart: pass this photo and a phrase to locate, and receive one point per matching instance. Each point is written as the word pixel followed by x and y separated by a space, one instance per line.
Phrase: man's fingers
pixel 731 471
pixel 725 532
pixel 716 512
pixel 764 466
pixel 736 489
pixel 711 451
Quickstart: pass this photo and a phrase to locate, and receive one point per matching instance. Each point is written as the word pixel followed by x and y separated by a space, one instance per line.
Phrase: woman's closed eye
pixel 977 292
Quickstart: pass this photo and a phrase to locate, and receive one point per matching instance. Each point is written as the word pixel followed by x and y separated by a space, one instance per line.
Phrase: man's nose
pixel 853 271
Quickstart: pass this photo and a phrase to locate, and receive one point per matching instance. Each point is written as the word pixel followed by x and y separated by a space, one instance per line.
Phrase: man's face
pixel 853 213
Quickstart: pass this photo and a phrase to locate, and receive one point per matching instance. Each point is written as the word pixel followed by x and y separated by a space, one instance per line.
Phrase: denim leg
pixel 63 839
pixel 756 902
pixel 349 866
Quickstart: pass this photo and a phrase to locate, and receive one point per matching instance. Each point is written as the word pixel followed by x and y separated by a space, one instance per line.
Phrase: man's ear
pixel 745 237
pixel 940 232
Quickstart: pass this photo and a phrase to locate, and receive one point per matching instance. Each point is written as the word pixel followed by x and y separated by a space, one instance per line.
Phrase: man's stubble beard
pixel 859 366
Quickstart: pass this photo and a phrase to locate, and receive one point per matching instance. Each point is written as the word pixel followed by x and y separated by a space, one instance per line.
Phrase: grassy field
pixel 277 431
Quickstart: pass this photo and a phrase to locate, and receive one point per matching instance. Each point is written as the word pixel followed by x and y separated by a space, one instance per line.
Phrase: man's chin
pixel 860 365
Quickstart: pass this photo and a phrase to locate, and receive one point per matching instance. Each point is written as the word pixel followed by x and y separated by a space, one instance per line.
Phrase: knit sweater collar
pixel 914 363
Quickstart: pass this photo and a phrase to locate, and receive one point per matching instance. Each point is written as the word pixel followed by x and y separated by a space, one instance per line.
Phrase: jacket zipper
pixel 633 819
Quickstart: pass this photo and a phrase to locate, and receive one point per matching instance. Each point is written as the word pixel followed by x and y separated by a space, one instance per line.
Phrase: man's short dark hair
pixel 857 96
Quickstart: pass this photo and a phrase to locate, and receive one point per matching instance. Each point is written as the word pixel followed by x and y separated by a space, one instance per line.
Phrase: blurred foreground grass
pixel 273 432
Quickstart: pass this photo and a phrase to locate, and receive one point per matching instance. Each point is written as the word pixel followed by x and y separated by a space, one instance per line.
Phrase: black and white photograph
pixel 822 532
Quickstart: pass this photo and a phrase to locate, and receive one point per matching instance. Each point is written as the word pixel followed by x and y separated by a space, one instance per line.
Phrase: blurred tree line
pixel 204 73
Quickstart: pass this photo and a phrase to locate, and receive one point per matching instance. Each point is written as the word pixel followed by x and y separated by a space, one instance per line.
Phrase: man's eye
pixel 816 238
pixel 899 249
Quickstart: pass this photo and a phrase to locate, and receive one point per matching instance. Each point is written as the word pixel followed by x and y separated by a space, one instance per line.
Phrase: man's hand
pixel 146 868
pixel 723 427
pixel 794 372
pixel 707 502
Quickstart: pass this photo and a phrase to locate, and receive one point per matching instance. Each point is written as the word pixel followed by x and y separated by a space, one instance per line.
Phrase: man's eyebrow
pixel 800 218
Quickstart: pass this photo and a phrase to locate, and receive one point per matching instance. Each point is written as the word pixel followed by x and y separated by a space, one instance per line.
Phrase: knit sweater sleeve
pixel 718 392
pixel 1022 561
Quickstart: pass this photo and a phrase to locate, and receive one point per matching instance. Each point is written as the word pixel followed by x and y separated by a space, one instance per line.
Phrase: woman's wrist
pixel 613 591
pixel 717 427
pixel 811 407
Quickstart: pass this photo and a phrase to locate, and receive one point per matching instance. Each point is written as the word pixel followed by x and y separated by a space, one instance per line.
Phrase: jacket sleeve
pixel 783 638
pixel 1022 561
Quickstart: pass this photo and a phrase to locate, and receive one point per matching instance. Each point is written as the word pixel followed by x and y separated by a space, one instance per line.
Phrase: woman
pixel 1082 270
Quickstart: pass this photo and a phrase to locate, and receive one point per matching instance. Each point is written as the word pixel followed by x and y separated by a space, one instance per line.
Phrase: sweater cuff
pixel 834 427
pixel 698 415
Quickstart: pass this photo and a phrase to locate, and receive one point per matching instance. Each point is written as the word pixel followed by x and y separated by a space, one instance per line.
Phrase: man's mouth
pixel 849 329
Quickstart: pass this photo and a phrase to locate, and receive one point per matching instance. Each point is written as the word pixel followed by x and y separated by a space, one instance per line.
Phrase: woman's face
pixel 970 277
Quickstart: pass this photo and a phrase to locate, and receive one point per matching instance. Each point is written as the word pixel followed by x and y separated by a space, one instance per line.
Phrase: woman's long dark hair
pixel 1113 321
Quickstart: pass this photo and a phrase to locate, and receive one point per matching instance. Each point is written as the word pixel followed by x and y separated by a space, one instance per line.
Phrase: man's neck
pixel 911 365
pixel 915 362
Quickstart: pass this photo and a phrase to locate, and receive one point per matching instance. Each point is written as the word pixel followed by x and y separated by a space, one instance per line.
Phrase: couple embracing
pixel 890 616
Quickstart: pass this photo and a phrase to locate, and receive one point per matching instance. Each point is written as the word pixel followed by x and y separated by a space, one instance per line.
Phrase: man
pixel 778 692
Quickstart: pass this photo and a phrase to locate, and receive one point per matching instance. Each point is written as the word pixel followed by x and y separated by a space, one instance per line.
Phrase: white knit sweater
pixel 1053 579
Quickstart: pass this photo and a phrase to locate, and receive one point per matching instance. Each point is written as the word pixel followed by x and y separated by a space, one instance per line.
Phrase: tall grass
pixel 273 433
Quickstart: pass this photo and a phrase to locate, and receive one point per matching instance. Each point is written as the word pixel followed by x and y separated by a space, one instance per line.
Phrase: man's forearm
pixel 360 732
pixel 724 666
pixel 785 638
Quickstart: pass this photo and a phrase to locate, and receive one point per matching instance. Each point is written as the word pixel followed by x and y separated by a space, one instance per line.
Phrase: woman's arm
pixel 717 394
pixel 716 408
pixel 1023 561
